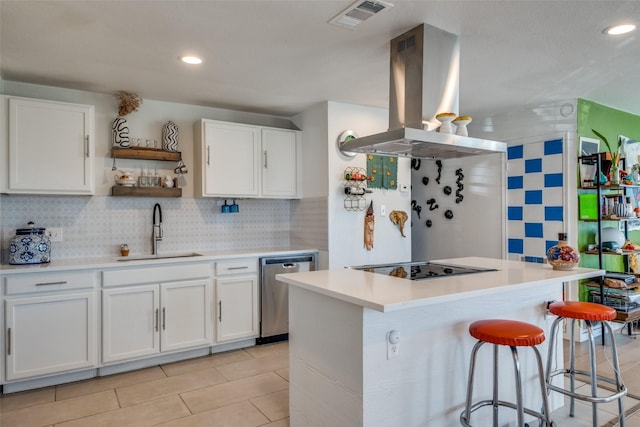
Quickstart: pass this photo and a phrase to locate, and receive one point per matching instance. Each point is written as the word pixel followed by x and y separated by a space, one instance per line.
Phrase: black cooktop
pixel 421 270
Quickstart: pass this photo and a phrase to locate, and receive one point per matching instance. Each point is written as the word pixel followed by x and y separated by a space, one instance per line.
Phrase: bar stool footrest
pixel 585 397
pixel 465 422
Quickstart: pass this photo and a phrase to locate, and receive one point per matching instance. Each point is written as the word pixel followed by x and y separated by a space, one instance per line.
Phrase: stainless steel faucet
pixel 156 231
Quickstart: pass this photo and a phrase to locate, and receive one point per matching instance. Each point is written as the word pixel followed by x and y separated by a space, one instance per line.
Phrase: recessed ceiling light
pixel 193 60
pixel 619 29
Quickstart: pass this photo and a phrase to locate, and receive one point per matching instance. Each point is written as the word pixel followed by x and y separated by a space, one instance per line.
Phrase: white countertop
pixel 386 293
pixel 111 262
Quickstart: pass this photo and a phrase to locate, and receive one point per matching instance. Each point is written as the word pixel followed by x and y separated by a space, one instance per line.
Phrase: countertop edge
pixel 112 262
pixel 405 294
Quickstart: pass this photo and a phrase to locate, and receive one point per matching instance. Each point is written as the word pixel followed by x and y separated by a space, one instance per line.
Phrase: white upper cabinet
pixel 279 163
pixel 227 156
pixel 51 147
pixel 246 161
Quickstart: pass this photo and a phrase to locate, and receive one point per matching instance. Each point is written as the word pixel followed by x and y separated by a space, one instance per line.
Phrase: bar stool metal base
pixel 465 416
pixel 591 375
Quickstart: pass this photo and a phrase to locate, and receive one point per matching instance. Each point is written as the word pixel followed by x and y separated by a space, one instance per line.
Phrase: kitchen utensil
pixel 181 168
pixel 234 207
pixel 226 208
pixel 30 245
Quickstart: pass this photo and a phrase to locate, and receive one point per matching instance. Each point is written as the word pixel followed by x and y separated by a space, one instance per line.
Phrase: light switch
pixel 383 210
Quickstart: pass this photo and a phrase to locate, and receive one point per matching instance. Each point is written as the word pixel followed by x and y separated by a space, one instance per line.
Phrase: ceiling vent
pixel 359 12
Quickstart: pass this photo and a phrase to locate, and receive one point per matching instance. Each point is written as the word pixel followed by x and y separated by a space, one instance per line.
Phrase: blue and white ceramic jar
pixel 30 245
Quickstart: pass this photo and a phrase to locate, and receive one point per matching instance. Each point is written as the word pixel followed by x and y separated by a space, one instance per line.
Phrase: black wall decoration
pixel 439 164
pixel 459 195
pixel 432 204
pixel 416 207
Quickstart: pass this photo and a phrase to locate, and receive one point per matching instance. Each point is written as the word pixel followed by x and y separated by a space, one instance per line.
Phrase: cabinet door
pixel 130 322
pixel 50 147
pixel 279 162
pixel 231 157
pixel 185 317
pixel 237 305
pixel 50 334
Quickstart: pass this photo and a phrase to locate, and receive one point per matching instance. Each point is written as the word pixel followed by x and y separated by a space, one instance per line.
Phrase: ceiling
pixel 280 57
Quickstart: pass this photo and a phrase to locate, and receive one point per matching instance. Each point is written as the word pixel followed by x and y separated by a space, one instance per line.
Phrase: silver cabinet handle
pixel 164 319
pixel 265 159
pixel 220 311
pixel 244 267
pixel 156 320
pixel 62 282
pixel 208 153
pixel 8 341
pixel 86 144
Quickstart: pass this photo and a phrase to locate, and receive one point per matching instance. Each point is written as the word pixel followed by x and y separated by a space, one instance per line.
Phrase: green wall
pixel 610 123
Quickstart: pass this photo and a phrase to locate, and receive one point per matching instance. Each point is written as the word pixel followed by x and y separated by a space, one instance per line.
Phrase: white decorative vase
pixel 121 133
pixel 170 137
pixel 445 120
pixel 461 125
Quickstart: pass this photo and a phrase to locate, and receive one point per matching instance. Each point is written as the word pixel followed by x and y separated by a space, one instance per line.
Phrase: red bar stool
pixel 588 312
pixel 513 334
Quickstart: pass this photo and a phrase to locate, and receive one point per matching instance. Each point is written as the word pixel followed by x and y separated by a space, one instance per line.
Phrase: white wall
pixel 323 203
pixel 309 215
pixel 542 122
pixel 346 228
pixel 146 123
pixel 476 228
pixel 96 226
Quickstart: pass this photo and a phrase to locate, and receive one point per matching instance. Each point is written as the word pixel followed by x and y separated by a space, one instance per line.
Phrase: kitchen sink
pixel 157 256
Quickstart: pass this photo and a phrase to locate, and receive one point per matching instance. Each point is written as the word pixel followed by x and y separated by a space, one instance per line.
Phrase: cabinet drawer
pixel 46 282
pixel 236 266
pixel 159 274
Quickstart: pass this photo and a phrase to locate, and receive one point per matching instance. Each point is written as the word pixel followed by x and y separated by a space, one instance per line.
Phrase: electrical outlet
pixel 383 210
pixel 55 234
pixel 546 308
pixel 393 344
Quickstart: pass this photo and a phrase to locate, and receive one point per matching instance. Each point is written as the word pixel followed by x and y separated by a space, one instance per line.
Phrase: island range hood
pixel 424 81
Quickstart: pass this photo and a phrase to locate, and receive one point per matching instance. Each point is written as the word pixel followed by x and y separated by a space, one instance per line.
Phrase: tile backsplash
pixel 96 226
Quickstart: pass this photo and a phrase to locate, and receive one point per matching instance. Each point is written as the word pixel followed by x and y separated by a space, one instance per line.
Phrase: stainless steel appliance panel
pixel 274 294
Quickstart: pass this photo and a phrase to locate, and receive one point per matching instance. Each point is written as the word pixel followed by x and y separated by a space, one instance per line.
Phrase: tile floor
pixel 240 388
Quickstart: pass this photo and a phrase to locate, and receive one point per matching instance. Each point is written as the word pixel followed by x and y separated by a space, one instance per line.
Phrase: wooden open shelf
pixel 119 190
pixel 144 153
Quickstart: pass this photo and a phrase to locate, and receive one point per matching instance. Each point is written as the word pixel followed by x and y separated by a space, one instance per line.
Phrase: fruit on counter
pixel 628 246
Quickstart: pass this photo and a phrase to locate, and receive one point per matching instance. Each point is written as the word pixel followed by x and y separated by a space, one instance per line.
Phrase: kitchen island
pixel 342 374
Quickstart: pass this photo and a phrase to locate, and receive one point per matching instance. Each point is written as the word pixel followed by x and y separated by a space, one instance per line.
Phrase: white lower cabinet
pixel 130 322
pixel 50 327
pixel 146 320
pixel 237 300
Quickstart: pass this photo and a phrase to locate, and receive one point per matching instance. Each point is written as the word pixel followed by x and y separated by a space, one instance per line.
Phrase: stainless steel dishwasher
pixel 274 294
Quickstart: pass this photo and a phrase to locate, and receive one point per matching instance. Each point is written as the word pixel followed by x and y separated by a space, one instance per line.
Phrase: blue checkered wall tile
pixel 535 201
